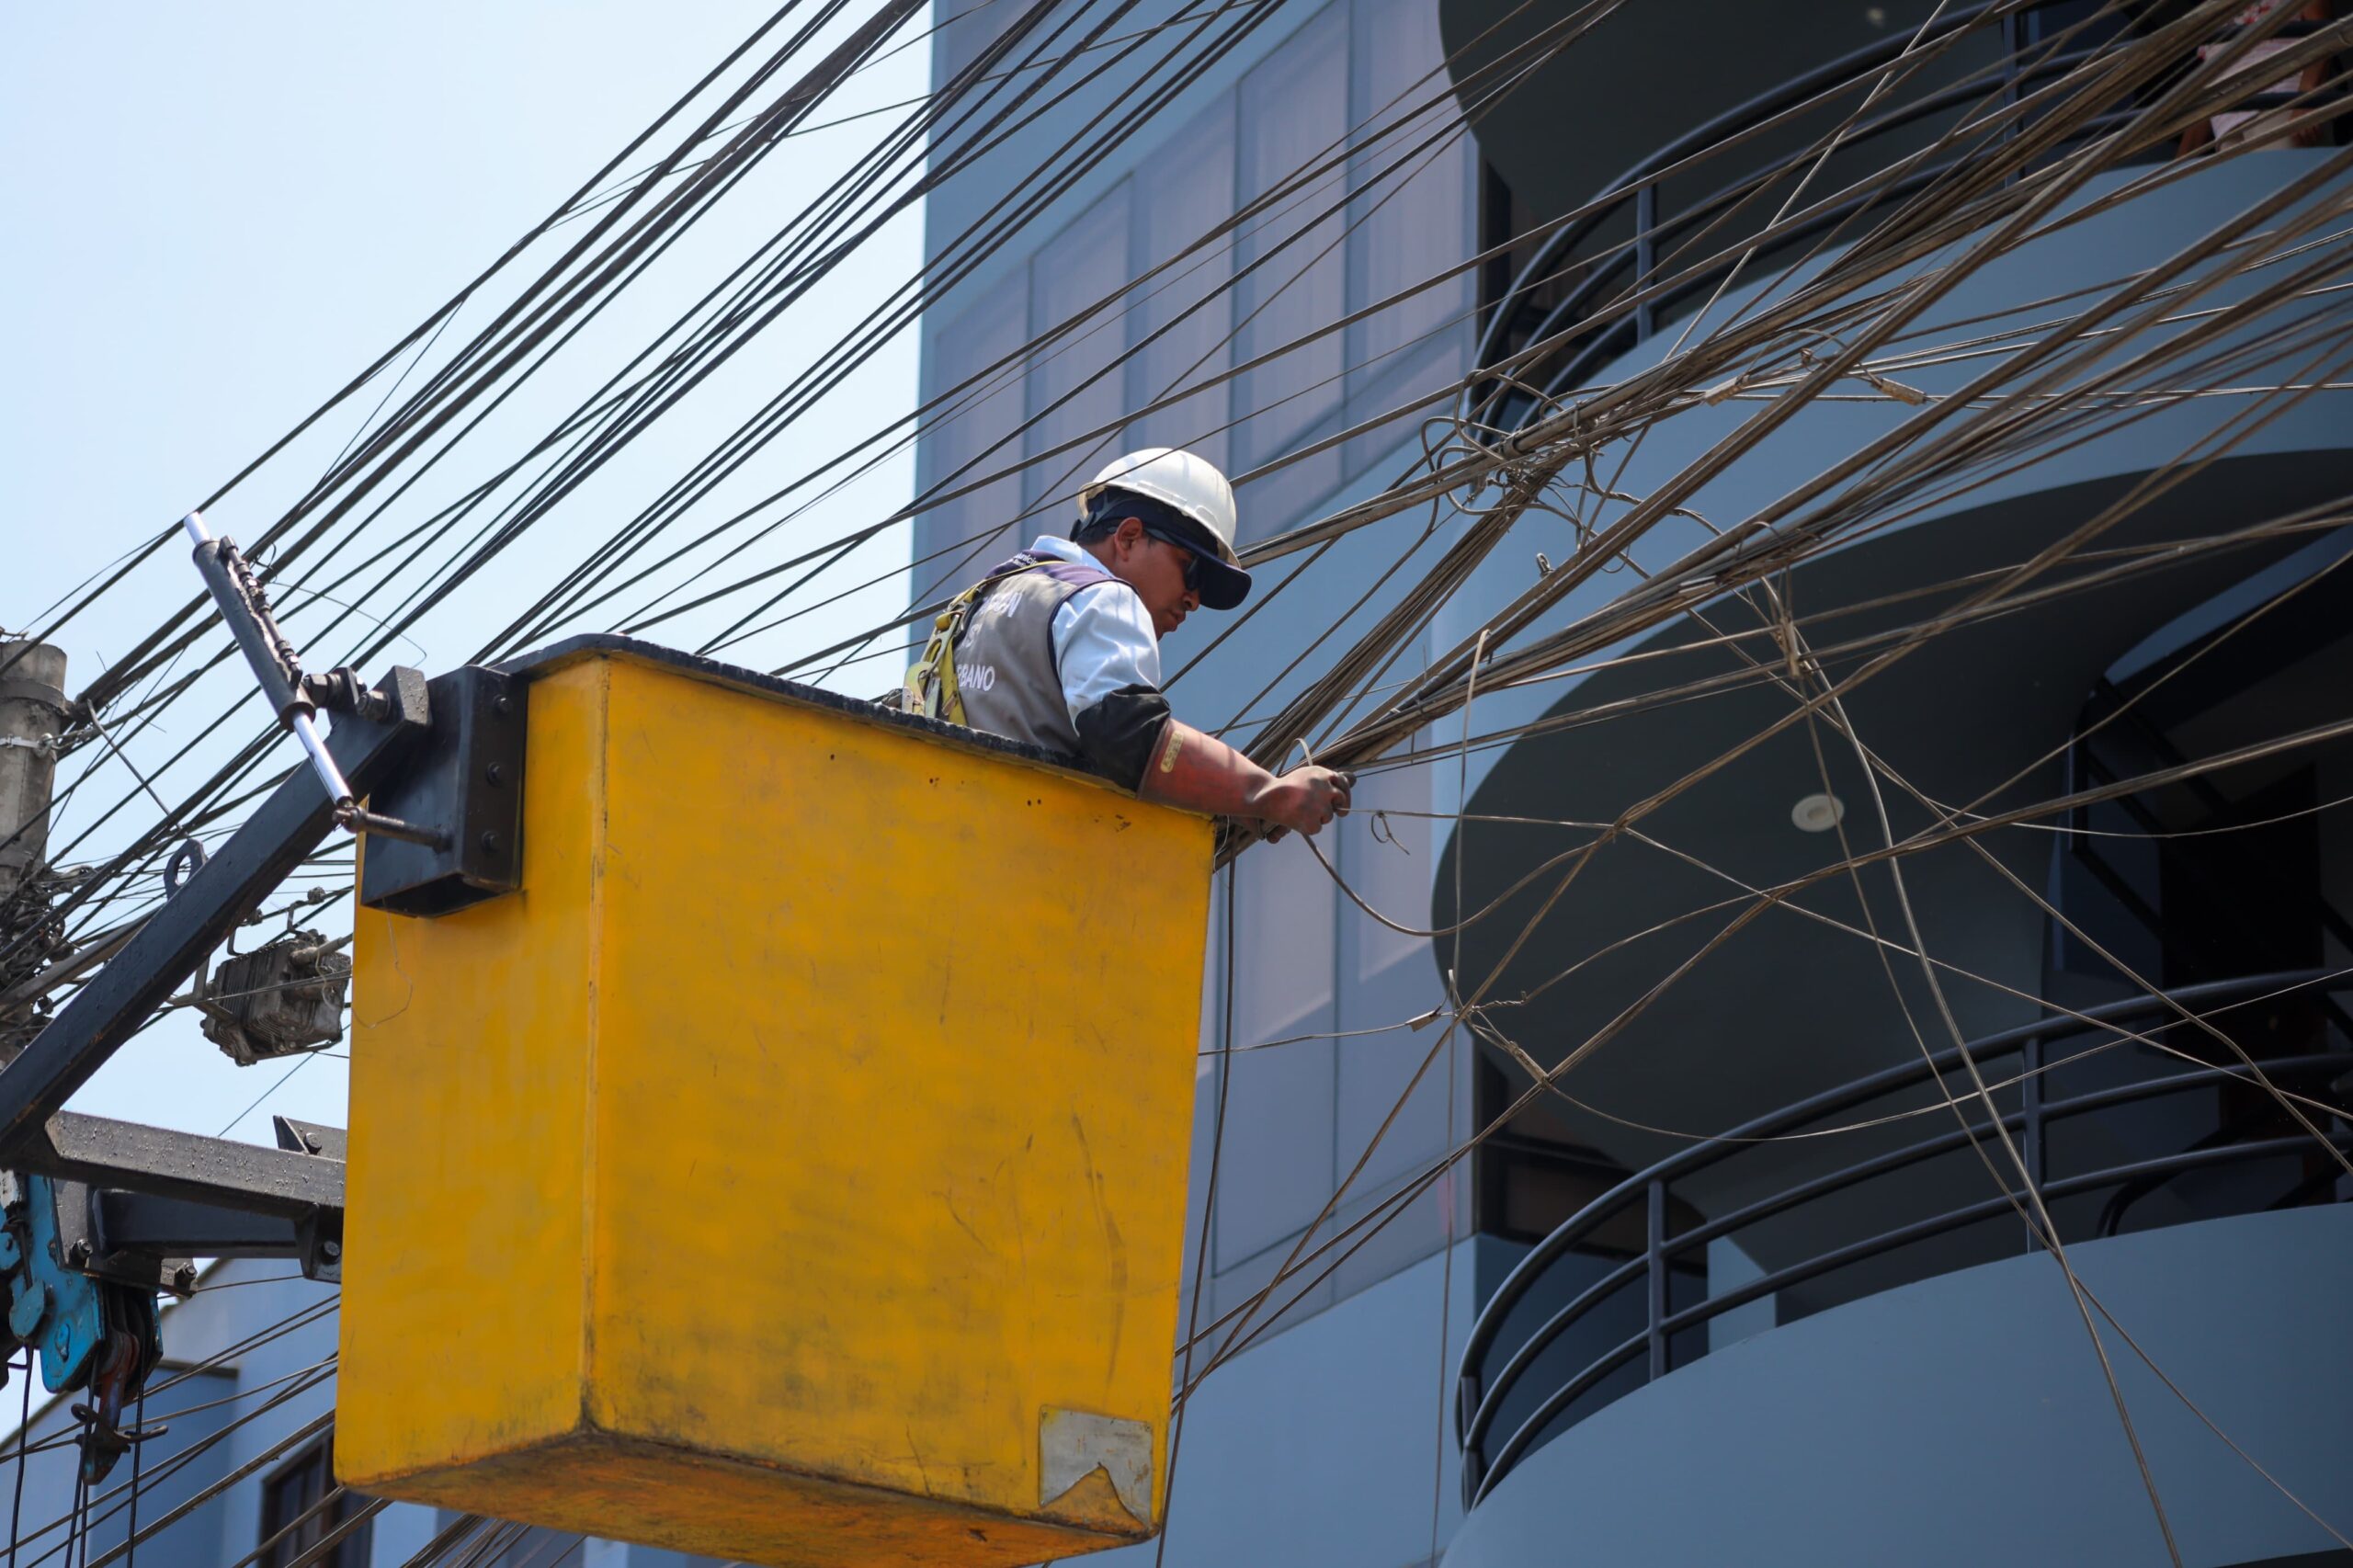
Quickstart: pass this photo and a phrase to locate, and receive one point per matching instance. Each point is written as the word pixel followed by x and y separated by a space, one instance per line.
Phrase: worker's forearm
pixel 1202 773
pixel 1198 771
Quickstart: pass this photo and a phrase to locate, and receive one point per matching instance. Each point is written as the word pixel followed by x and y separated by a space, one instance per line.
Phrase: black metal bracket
pixel 467 782
pixel 318 1236
pixel 81 1234
pixel 152 1241
pixel 340 691
pixel 310 1138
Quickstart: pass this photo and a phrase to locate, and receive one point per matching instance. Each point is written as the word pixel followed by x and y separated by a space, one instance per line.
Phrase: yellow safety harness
pixel 931 690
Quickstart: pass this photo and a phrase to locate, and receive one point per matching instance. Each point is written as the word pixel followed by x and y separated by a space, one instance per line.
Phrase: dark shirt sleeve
pixel 1119 732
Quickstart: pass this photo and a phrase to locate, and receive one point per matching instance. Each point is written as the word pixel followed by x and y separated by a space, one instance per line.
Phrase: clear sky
pixel 220 213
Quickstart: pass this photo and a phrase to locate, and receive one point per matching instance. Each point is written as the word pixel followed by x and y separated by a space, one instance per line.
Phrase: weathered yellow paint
pixel 812 1123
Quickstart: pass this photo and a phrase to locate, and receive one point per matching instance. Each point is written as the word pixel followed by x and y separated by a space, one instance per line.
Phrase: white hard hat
pixel 1192 487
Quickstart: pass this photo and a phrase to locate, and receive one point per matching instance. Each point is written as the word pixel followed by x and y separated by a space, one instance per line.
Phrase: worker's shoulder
pixel 1082 590
pixel 1076 580
pixel 1035 571
pixel 1102 591
pixel 1075 574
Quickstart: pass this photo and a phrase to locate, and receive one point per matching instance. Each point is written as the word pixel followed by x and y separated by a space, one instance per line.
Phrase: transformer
pixel 283 998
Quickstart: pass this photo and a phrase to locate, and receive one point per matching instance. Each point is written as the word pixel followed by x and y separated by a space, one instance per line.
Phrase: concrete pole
pixel 32 711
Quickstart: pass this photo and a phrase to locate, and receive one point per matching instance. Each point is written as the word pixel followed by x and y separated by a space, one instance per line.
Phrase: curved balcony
pixel 1962 1420
pixel 2106 1156
pixel 1657 241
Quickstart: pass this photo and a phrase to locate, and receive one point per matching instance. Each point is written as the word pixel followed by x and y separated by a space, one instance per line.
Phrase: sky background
pixel 225 212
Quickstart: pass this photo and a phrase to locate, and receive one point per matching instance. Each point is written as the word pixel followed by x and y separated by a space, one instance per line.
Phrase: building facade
pixel 1607 1336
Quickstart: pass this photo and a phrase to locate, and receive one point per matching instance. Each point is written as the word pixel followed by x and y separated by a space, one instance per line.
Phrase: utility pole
pixel 32 711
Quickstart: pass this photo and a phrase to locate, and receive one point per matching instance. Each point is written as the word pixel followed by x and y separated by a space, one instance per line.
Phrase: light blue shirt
pixel 1103 635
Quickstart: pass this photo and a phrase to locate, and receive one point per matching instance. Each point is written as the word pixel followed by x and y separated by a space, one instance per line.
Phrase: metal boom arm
pixel 295 819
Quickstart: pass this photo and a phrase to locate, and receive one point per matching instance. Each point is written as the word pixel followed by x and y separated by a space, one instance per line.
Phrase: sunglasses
pixel 1192 557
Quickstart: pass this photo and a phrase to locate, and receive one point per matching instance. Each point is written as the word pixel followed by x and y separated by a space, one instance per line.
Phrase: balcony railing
pixel 2020 1065
pixel 1571 309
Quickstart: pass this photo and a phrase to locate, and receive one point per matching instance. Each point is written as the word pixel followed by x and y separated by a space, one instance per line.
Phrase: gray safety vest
pixel 1006 668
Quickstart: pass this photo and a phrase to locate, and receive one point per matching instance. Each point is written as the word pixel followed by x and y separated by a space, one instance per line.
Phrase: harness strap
pixel 931 687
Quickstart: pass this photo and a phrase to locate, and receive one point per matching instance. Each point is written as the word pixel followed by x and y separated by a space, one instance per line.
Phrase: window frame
pixel 311 1468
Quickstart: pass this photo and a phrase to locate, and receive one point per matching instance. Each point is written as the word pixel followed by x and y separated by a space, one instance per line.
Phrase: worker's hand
pixel 1305 798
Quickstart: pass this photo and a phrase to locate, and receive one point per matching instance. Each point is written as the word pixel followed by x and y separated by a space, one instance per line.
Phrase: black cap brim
pixel 1222 586
pixel 1225 584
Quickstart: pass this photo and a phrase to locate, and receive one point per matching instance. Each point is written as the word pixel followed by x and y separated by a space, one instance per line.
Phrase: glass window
pixel 967 28
pixel 972 436
pixel 1277 1164
pixel 1283 941
pixel 1293 114
pixel 1281 1111
pixel 1192 195
pixel 1387 860
pixel 1279 1114
pixel 301 1507
pixel 1392 976
pixel 1414 220
pixel 1069 275
pixel 1392 1095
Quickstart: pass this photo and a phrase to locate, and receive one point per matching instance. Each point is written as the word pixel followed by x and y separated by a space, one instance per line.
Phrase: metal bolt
pixel 502 706
pixel 494 773
pixel 78 1254
pixel 311 1142
pixel 184 1277
pixel 331 1249
pixel 490 842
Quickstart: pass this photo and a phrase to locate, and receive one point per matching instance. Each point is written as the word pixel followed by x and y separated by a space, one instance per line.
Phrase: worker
pixel 1060 646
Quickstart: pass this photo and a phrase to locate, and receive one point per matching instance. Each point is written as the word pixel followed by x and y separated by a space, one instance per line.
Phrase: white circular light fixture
pixel 1818 813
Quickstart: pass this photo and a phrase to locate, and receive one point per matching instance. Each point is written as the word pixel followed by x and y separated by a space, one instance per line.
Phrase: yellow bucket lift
pixel 794 1170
